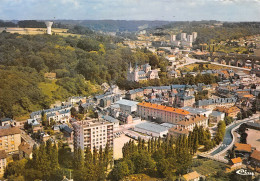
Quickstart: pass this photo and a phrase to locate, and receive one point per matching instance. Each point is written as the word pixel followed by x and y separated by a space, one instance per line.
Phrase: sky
pixel 170 10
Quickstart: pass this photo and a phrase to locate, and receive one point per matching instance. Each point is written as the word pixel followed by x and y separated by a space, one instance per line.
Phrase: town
pixel 164 105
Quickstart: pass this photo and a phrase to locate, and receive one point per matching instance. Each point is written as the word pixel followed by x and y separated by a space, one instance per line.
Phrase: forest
pixel 79 63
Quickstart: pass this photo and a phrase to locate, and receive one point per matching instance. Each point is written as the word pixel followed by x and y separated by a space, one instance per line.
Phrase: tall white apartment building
pixel 173 38
pixel 93 133
pixel 194 35
pixel 184 36
pixel 190 38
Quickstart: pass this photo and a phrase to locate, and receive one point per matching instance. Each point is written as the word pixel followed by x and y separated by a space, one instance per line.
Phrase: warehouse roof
pixel 127 102
pixel 153 127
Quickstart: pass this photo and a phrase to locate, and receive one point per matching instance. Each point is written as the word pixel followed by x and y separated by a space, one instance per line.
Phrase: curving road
pixel 228 135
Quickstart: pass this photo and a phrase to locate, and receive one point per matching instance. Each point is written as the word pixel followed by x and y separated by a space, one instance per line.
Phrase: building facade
pixel 10 139
pixel 190 123
pixel 93 133
pixel 165 114
pixel 144 73
pixel 3 162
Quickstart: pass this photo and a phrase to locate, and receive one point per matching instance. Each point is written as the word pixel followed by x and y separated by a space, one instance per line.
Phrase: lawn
pixel 207 167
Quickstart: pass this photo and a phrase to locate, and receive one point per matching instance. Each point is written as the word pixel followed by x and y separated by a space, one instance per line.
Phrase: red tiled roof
pixel 256 155
pixel 163 108
pixel 243 147
pixel 236 160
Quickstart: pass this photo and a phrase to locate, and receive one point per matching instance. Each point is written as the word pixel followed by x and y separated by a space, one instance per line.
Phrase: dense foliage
pixel 79 63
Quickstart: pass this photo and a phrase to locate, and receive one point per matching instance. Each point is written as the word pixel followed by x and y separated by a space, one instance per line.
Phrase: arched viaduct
pixel 239 60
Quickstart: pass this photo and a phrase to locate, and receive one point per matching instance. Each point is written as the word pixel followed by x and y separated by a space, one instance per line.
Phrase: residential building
pixel 195 111
pixel 10 139
pixel 190 123
pixel 216 116
pixel 163 113
pixel 242 150
pixel 112 120
pixel 50 75
pixel 255 158
pixel 93 133
pixel 234 164
pixel 38 114
pixel 152 129
pixel 77 99
pixel 192 176
pixel 219 102
pixel 230 111
pixel 176 131
pixel 135 93
pixel 3 162
pixel 7 122
pixel 144 73
pixel 25 150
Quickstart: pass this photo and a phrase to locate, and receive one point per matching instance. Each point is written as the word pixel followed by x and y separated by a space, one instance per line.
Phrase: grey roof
pixel 216 113
pixel 141 72
pixel 50 110
pixel 5 119
pixel 135 91
pixel 151 127
pixel 110 119
pixel 168 125
pixel 206 102
pixel 127 102
pixel 187 97
pixel 194 110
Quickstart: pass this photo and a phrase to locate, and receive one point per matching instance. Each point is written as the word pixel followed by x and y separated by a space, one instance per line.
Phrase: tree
pixel 228 120
pixel 239 116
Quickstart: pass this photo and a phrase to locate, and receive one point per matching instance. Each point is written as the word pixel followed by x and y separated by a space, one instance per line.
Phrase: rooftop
pixel 164 108
pixel 191 176
pixel 152 127
pixel 127 102
pixel 194 110
pixel 227 110
pixel 25 147
pixel 256 155
pixel 243 147
pixel 194 119
pixel 9 131
pixel 236 160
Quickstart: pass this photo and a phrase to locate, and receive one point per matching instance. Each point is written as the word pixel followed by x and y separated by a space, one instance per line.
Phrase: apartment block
pixel 93 133
pixel 10 139
pixel 3 162
pixel 190 123
pixel 165 114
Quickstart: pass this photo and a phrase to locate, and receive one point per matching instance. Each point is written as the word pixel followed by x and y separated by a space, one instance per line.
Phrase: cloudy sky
pixel 173 10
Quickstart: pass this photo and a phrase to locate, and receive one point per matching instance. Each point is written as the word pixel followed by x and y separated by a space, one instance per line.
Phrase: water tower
pixel 48 24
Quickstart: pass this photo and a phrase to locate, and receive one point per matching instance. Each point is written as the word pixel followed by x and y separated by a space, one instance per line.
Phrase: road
pixel 192 61
pixel 228 135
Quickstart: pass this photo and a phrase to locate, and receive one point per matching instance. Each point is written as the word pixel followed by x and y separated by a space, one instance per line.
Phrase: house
pixel 216 116
pixel 67 132
pixel 112 120
pixel 25 150
pixel 219 102
pixel 236 162
pixel 230 111
pixel 76 100
pixel 176 131
pixel 135 93
pixel 195 111
pixel 125 118
pixel 255 158
pixel 192 176
pixel 3 162
pixel 242 150
pixel 190 123
pixel 34 125
pixel 7 121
